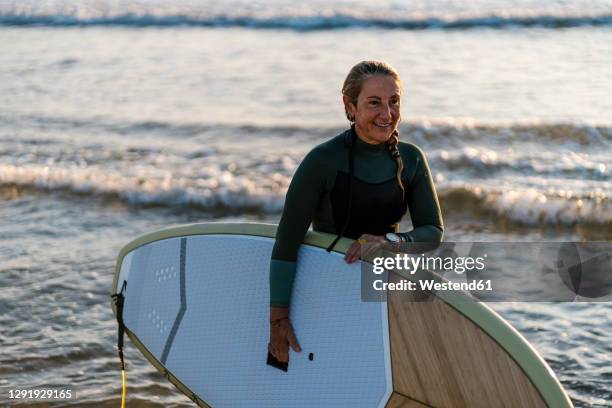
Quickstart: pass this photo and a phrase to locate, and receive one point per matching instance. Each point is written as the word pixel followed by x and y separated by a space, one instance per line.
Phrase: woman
pixel 358 185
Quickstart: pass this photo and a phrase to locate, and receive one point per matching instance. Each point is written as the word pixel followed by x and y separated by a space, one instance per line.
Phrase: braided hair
pixel 352 88
pixel 394 150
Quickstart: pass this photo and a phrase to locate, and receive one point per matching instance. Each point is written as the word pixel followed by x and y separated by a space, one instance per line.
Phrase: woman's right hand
pixel 281 334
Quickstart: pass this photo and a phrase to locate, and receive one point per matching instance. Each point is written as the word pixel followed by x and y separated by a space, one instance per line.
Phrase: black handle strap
pixel 350 191
pixel 119 299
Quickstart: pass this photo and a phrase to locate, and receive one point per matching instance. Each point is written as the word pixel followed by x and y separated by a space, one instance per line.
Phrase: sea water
pixel 121 117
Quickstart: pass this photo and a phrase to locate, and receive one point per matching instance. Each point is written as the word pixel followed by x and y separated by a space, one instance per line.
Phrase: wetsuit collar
pixel 351 137
pixel 363 147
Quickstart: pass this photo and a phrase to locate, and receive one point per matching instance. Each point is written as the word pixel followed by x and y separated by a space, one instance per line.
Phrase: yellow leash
pixel 119 298
pixel 123 389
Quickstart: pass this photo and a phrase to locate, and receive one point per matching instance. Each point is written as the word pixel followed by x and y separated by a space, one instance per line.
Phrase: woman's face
pixel 377 113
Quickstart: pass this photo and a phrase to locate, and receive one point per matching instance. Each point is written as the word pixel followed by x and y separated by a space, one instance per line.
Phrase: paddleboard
pixel 196 306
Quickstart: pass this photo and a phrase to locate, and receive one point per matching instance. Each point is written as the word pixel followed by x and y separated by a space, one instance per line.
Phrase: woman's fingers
pixel 283 355
pixel 293 340
pixel 279 348
pixel 350 254
pixel 366 241
pixel 374 243
pixel 370 249
pixel 347 255
pixel 281 337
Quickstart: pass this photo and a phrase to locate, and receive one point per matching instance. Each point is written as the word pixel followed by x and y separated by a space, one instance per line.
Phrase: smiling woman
pixel 358 185
pixel 376 109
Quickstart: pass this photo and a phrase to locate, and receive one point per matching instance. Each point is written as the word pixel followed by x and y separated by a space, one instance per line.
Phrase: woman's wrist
pixel 279 313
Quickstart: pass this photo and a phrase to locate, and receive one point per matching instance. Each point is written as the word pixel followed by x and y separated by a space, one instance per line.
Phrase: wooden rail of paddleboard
pixel 441 358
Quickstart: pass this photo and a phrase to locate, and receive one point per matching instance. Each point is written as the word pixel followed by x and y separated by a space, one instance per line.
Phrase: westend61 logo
pixel 499 271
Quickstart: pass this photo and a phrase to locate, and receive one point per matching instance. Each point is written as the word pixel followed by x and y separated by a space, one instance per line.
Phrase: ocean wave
pixel 459 131
pixel 299 22
pixel 213 189
pixel 264 191
pixel 530 206
pixel 421 131
pixel 170 129
pixel 482 161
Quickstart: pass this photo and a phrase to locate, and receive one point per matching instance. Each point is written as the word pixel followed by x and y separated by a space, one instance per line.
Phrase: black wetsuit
pixel 319 193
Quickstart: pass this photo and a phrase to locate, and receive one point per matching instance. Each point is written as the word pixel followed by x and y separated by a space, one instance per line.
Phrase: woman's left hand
pixel 372 243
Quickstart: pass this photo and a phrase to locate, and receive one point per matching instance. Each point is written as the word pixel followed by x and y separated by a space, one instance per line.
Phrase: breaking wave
pixel 301 22
pixel 217 189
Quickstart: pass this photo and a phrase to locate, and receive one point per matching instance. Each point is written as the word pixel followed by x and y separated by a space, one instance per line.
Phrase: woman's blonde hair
pixel 352 88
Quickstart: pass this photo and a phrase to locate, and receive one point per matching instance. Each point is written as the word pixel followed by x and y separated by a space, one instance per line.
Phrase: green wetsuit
pixel 319 192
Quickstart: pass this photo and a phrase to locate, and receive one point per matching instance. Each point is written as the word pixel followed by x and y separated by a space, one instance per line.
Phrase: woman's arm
pixel 423 204
pixel 301 201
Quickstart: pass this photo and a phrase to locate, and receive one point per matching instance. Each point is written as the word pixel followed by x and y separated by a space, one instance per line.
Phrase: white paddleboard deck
pixel 199 304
